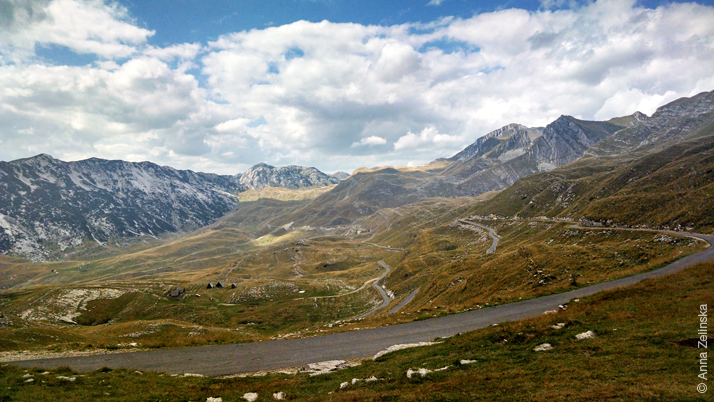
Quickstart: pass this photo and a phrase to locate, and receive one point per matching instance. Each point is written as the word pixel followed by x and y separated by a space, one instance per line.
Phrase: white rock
pixel 192 375
pixel 209 399
pixel 550 312
pixel 466 361
pixel 559 325
pixel 394 348
pixel 61 377
pixel 139 372
pixel 344 384
pixel 543 347
pixel 586 335
pixel 250 396
pixel 30 380
pixel 326 367
pixel 279 395
pixel 371 379
pixel 27 375
pixel 356 380
pixel 421 371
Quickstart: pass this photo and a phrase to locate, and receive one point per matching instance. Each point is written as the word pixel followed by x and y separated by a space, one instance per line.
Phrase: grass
pixel 637 355
pixel 448 263
pixel 283 194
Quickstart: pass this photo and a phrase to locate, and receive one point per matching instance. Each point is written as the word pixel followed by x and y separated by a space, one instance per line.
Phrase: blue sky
pixel 219 86
pixel 192 20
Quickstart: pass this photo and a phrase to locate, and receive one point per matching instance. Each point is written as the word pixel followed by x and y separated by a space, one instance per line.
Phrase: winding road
pixel 491 233
pixel 385 297
pixel 270 355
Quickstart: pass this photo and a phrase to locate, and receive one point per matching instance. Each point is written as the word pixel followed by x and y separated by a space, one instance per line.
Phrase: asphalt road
pixel 385 297
pixel 268 355
pixel 404 302
pixel 491 233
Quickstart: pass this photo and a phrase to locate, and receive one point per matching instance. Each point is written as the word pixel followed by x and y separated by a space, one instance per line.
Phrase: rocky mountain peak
pixel 504 143
pixel 263 175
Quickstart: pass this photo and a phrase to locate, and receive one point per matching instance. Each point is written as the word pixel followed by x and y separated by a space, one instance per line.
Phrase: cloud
pixel 183 51
pixel 83 26
pixel 429 136
pixel 369 141
pixel 334 95
pixel 435 2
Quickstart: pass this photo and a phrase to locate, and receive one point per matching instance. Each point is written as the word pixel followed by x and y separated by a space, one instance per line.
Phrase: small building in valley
pixel 177 292
pixel 210 286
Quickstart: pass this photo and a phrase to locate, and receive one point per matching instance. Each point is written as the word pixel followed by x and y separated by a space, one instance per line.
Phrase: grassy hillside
pixel 642 351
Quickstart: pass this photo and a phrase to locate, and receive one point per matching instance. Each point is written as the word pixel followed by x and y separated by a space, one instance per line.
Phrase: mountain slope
pixel 674 122
pixel 49 205
pixel 671 188
pixel 486 165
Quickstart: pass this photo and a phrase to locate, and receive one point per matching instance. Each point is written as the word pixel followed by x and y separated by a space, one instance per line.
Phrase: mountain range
pixel 49 207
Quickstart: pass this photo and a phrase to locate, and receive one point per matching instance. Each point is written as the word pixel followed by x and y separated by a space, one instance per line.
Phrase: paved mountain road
pixel 248 357
pixel 491 233
pixel 385 297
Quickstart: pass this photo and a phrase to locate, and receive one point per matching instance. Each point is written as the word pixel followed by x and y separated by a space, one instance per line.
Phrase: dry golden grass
pixel 283 194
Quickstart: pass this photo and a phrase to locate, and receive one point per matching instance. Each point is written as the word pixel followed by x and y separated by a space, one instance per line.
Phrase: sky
pixel 219 86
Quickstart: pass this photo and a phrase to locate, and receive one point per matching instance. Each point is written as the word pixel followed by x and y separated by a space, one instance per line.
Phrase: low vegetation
pixel 641 351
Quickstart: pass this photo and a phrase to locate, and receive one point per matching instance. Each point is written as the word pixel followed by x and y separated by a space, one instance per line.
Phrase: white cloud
pixel 333 95
pixel 84 26
pixel 370 141
pixel 428 137
pixel 183 51
pixel 435 2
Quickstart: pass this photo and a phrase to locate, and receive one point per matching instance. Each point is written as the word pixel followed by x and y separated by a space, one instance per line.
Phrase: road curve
pixel 385 297
pixel 404 302
pixel 256 356
pixel 491 233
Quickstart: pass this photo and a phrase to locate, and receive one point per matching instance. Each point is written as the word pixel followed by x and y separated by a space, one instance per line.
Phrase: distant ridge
pixel 48 207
